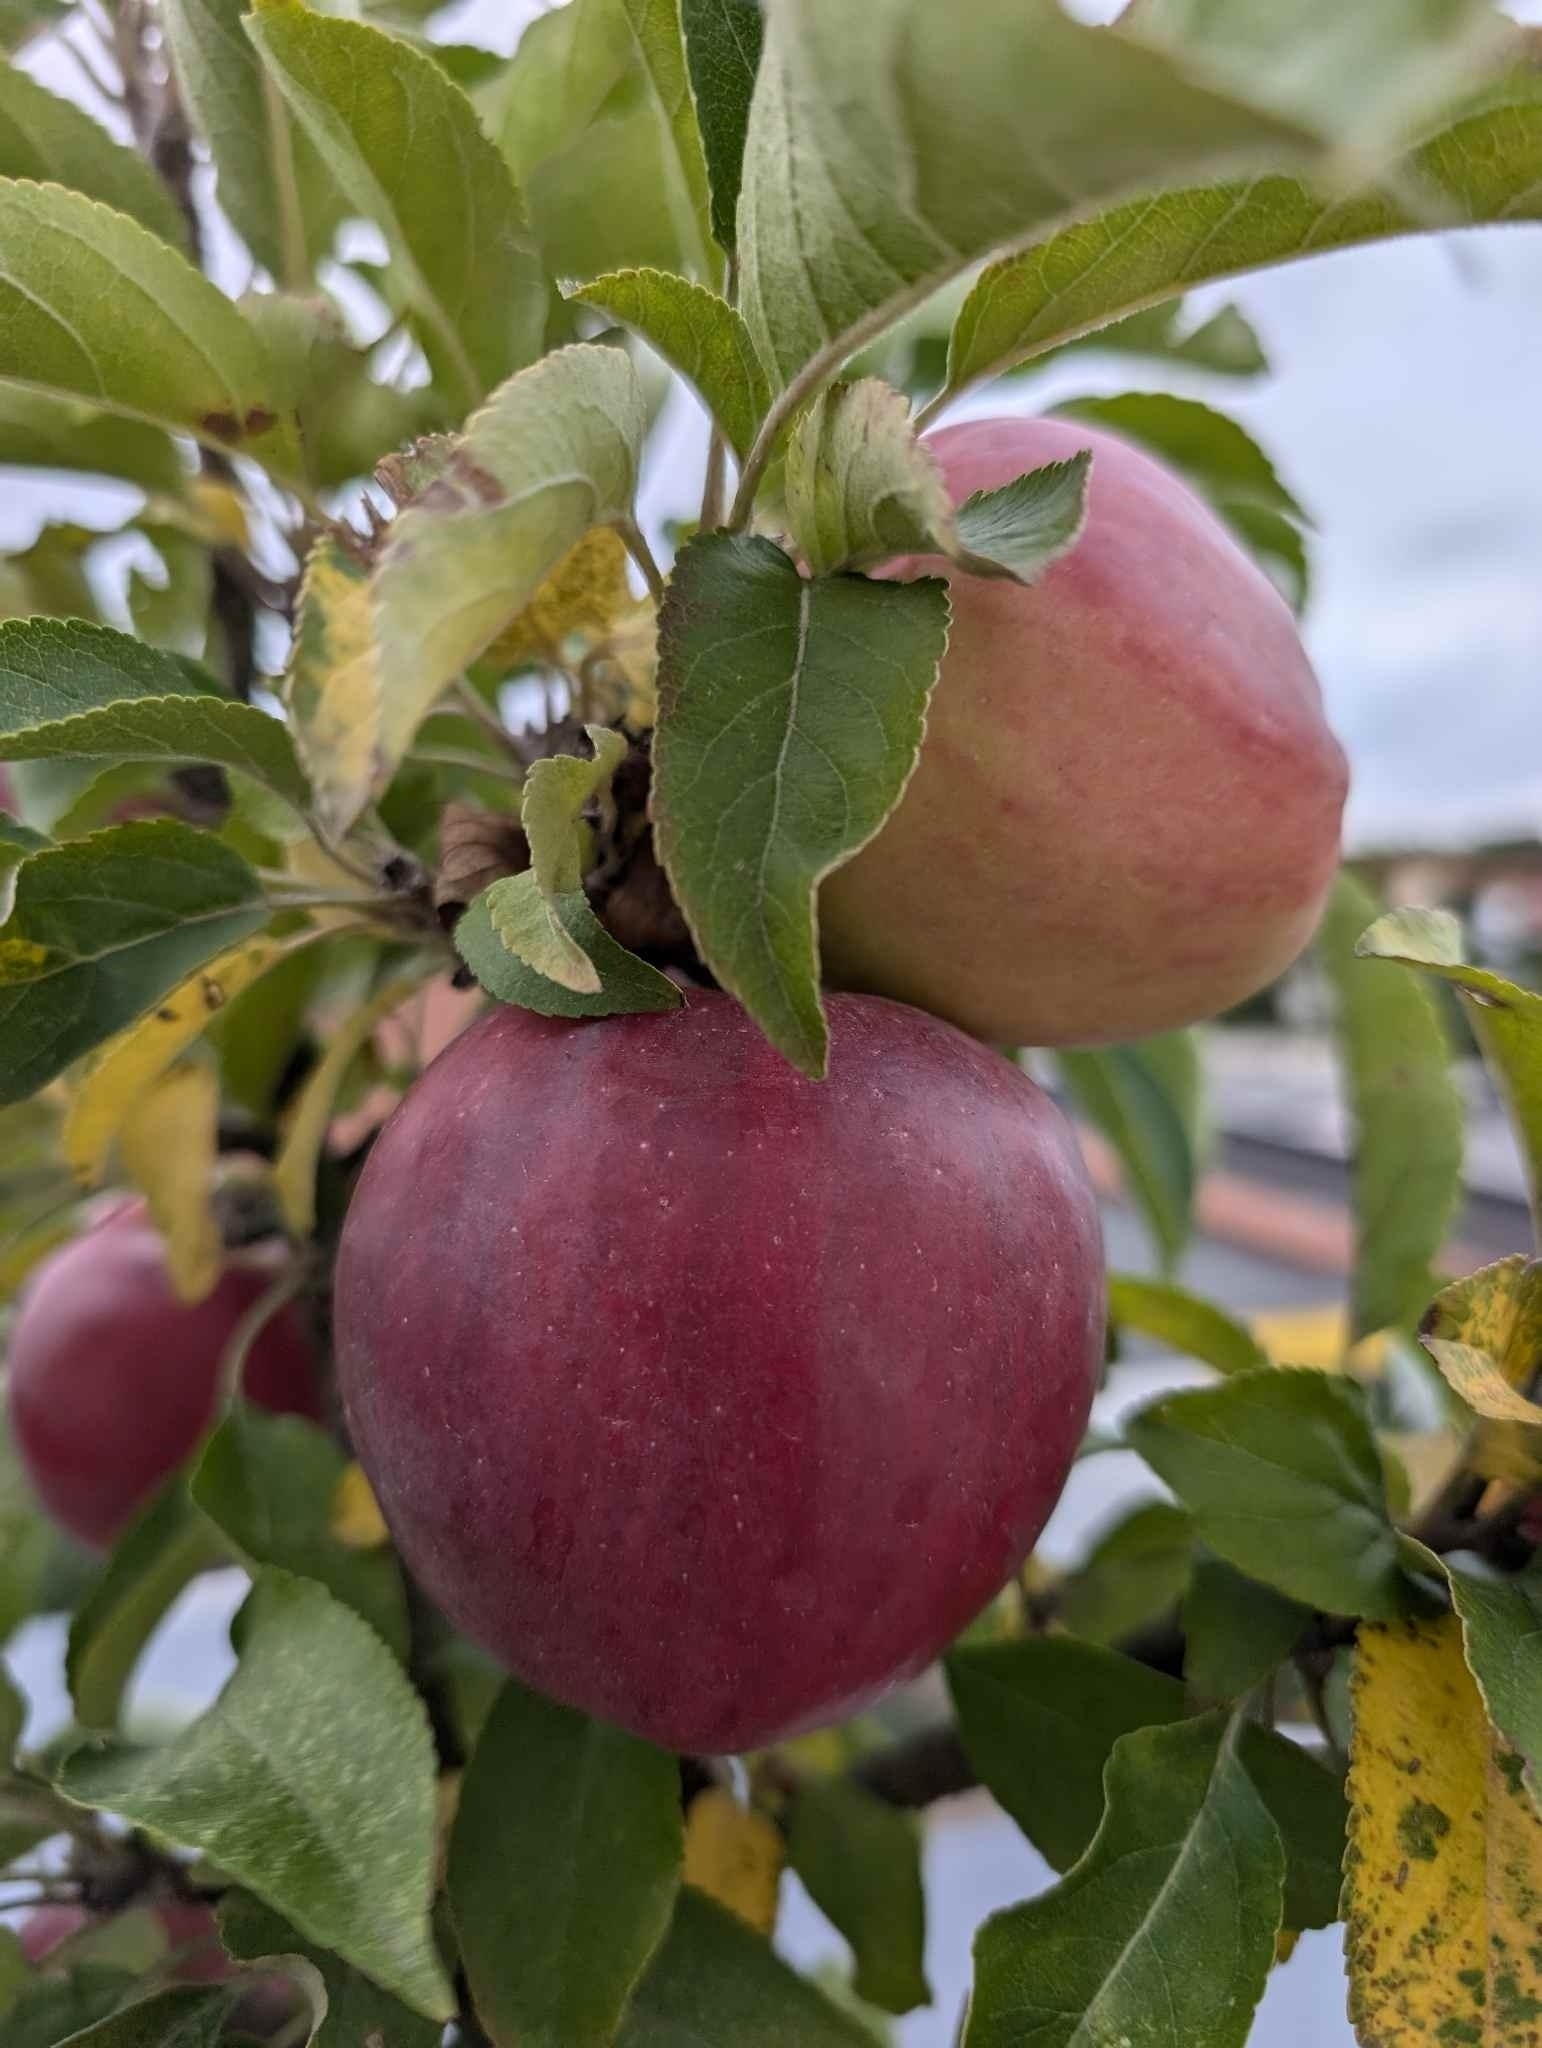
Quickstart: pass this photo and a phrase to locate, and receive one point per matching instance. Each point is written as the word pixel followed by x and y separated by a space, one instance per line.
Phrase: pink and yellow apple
pixel 1126 812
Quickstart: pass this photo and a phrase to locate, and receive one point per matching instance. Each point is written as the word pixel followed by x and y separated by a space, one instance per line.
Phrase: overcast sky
pixel 1405 411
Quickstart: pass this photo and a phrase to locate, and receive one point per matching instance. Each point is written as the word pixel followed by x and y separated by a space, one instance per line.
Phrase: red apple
pixel 708 1398
pixel 1126 812
pixel 112 1379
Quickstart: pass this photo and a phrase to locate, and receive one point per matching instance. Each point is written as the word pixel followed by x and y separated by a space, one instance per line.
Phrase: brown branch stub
pixel 476 847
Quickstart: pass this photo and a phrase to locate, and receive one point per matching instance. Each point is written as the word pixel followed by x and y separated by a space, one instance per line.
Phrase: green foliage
pixel 699 335
pixel 349 2007
pixel 1183 1322
pixel 1236 1630
pixel 78 690
pixel 1167 1925
pixel 775 762
pixel 564 1867
pixel 1040 1719
pixel 1407 1116
pixel 347 1855
pixel 714 1980
pixel 267 1483
pixel 280 197
pixel 48 139
pixel 722 53
pixel 1281 1473
pixel 101 928
pixel 1070 283
pixel 1505 1020
pixel 156 1558
pixel 1140 1099
pixel 553 453
pixel 861 1864
pixel 1502 1629
pixel 446 206
pixel 127 323
pixel 1223 463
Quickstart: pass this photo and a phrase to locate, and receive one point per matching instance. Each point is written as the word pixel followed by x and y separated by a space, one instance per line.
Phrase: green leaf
pixel 1236 1630
pixel 1502 1633
pixel 278 195
pixel 444 200
pixel 1021 528
pixel 1281 1473
pixel 577 119
pixel 1505 1020
pixel 76 689
pixel 347 421
pixel 495 924
pixel 1040 1719
pixel 101 928
pixel 1222 462
pixel 698 334
pixel 255 1785
pixel 13 1718
pixel 551 454
pixel 191 2016
pixel 53 2009
pixel 564 1866
pixel 1184 1322
pixel 20 20
pixel 790 716
pixel 53 141
pixel 716 1981
pixel 535 915
pixel 95 306
pixel 552 803
pixel 1165 1931
pixel 26 1543
pixel 266 1482
pixel 1135 1572
pixel 15 1970
pixel 1407 1115
pixel 1313 67
pixel 860 1862
pixel 356 2011
pixel 40 432
pixel 722 53
pixel 1125 1092
pixel 867 186
pixel 1484 163
pixel 163 1550
pixel 659 60
pixel 860 486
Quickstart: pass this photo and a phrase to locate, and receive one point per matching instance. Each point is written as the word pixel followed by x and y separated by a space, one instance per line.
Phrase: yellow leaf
pixel 578 601
pixel 1443 1894
pixel 220 512
pixel 1317 1337
pixel 355 1519
pixel 129 1063
pixel 294 1171
pixel 332 688
pixel 1485 1334
pixel 735 1856
pixel 168 1142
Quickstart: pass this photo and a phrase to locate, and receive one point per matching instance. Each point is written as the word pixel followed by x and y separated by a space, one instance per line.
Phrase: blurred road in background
pixel 1275 1242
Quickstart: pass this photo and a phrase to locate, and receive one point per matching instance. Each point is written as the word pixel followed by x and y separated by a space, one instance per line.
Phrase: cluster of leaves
pixel 225 872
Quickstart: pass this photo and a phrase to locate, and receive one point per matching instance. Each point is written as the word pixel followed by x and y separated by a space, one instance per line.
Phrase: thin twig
pixel 638 548
pixel 713 488
pixel 467 700
pixel 251 1326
